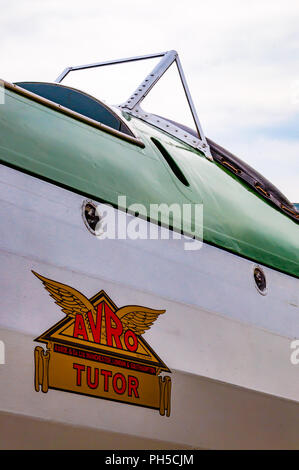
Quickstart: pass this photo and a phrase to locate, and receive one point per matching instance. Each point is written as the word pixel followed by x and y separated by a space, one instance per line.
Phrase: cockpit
pixel 86 108
pixel 78 102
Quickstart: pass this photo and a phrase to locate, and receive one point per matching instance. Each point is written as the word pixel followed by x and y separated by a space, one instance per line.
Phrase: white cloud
pixel 240 60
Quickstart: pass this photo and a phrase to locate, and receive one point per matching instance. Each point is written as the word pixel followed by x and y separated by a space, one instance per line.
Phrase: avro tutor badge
pixel 98 350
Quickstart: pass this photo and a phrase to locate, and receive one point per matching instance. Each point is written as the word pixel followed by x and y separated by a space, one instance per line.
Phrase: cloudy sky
pixel 240 59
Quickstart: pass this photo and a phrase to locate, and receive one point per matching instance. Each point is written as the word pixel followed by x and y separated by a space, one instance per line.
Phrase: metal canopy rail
pixel 132 105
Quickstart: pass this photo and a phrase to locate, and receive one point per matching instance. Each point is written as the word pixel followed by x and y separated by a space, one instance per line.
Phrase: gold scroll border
pixel 41 379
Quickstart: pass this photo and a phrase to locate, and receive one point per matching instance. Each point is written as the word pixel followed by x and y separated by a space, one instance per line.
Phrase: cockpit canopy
pixel 77 101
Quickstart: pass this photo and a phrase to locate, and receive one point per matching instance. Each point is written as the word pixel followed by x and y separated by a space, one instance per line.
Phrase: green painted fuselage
pixel 75 155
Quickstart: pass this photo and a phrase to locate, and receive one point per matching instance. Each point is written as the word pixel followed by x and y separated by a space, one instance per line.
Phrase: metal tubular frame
pixel 132 105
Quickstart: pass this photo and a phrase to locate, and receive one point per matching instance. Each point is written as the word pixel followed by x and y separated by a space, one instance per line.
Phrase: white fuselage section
pixel 227 346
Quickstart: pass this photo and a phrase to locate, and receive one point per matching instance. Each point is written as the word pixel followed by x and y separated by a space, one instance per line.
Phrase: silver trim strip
pixel 73 114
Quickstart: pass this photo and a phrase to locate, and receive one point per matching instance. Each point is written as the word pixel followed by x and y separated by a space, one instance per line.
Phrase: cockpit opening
pixel 79 102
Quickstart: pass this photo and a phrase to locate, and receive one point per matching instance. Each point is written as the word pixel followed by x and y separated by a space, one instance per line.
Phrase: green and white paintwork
pixel 77 156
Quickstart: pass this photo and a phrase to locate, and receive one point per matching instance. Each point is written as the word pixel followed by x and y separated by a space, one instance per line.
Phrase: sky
pixel 240 59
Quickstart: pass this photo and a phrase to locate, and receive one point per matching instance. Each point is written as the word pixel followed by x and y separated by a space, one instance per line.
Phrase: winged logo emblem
pixel 98 350
pixel 134 318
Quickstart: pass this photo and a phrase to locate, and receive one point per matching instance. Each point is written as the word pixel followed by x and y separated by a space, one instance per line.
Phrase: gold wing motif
pixel 137 318
pixel 69 299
